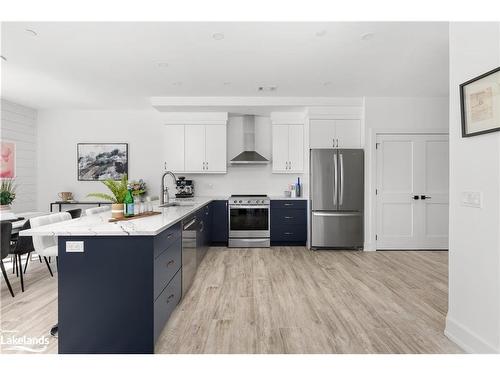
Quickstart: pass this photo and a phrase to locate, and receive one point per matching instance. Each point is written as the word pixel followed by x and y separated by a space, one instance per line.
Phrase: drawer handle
pixel 288 233
pixel 170 298
pixel 288 204
pixel 170 235
pixel 170 262
pixel 288 217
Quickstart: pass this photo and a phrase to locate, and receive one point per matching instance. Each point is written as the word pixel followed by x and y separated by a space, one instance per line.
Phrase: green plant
pixel 7 192
pixel 118 189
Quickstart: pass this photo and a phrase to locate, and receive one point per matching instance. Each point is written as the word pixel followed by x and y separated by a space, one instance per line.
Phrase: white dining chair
pixel 96 210
pixel 46 246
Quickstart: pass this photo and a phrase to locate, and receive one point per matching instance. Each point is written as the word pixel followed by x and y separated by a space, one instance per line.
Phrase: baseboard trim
pixel 466 339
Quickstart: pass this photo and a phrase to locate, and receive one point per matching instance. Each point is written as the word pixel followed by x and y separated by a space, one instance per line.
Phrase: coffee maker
pixel 184 188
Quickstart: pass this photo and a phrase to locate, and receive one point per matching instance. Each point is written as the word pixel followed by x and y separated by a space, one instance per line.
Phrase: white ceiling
pixel 115 65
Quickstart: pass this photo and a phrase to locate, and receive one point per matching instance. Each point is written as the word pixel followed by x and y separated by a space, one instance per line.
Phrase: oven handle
pixel 249 206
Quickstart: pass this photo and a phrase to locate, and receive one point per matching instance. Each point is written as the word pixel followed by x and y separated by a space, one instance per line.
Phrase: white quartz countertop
pixel 99 225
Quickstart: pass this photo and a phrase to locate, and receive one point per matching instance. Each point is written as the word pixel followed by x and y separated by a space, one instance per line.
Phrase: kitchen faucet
pixel 164 189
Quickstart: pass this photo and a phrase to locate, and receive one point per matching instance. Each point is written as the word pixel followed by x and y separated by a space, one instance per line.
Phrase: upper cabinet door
pixel 322 134
pixel 194 148
pixel 215 150
pixel 348 133
pixel 174 148
pixel 295 148
pixel 280 148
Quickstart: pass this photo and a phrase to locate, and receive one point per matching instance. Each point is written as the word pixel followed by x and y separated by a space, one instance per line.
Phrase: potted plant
pixel 119 191
pixel 7 194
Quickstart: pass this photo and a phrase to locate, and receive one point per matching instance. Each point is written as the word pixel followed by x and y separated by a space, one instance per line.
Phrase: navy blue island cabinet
pixel 289 222
pixel 117 295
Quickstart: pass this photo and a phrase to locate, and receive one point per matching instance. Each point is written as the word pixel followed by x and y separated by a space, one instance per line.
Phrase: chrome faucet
pixel 164 189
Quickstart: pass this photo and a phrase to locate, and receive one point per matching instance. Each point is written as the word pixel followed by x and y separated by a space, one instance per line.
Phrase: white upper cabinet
pixel 335 133
pixel 288 148
pixel 174 148
pixel 196 148
pixel 215 149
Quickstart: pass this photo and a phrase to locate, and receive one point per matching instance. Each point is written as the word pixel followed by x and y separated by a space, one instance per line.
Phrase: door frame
pixel 371 177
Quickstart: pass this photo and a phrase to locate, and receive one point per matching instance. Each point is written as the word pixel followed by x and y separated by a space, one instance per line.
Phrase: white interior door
pixel 215 150
pixel 412 191
pixel 280 148
pixel 194 148
pixel 296 148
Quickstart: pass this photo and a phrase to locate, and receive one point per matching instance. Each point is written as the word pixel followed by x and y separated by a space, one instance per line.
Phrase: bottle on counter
pixel 128 203
pixel 298 188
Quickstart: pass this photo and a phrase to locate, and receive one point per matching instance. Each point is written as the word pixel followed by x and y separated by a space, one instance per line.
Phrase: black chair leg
pixel 6 278
pixel 14 265
pixel 21 272
pixel 57 263
pixel 40 258
pixel 27 260
pixel 48 266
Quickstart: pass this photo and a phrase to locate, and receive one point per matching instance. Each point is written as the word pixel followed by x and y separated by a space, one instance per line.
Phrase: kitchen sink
pixel 175 204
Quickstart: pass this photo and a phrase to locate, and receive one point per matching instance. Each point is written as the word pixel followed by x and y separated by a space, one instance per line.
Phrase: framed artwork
pixel 480 104
pixel 102 161
pixel 8 159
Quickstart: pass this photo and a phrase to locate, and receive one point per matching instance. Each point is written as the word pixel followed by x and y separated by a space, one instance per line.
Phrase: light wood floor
pixel 283 300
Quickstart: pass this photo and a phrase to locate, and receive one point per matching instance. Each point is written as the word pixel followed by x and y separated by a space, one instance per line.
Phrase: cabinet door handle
pixel 290 165
pixel 169 298
pixel 206 163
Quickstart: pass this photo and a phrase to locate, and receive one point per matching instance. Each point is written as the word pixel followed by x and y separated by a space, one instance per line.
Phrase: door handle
pixel 341 179
pixel 416 197
pixel 423 197
pixel 170 262
pixel 335 178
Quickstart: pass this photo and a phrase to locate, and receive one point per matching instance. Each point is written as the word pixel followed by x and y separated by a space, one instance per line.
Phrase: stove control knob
pixel 240 201
pixel 248 201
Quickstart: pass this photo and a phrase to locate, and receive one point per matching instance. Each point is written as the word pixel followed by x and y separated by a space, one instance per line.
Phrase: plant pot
pixel 5 208
pixel 117 211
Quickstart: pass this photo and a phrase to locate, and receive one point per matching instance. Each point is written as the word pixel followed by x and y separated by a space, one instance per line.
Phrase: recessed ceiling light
pixel 162 64
pixel 178 83
pixel 267 88
pixel 218 36
pixel 321 33
pixel 327 83
pixel 367 36
pixel 3 58
pixel 31 31
pixel 226 83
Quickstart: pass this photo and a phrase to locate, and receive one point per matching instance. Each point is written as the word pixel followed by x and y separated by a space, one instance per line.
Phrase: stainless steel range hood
pixel 249 155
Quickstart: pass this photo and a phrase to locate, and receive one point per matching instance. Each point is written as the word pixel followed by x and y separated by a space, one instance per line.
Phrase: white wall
pixel 60 131
pixel 393 114
pixel 19 125
pixel 473 319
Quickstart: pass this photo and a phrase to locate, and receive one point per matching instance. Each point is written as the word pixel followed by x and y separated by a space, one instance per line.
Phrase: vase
pixel 117 211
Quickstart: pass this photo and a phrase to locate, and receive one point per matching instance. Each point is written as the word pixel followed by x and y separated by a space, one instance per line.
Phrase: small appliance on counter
pixel 184 188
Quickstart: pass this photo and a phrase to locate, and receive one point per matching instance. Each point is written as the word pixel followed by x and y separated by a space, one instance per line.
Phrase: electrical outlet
pixel 74 246
pixel 472 199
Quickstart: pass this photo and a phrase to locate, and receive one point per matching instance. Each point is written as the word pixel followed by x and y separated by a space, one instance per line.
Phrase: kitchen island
pixel 119 282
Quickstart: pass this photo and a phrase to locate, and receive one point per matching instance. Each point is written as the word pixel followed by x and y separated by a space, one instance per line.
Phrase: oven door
pixel 249 221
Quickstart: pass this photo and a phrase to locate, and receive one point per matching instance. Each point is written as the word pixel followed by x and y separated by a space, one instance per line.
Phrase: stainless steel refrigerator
pixel 337 198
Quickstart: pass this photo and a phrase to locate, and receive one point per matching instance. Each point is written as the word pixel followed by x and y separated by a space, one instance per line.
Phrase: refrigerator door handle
pixel 341 180
pixel 336 214
pixel 335 178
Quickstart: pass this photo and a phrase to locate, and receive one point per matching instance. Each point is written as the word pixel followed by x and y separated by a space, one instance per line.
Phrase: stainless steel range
pixel 249 220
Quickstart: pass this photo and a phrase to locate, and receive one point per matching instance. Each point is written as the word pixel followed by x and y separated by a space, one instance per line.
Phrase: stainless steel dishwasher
pixel 189 243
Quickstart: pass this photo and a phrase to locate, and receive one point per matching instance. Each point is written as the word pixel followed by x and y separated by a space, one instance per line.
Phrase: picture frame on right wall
pixel 480 104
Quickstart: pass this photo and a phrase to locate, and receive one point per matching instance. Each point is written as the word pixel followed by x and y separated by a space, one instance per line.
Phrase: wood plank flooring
pixel 283 300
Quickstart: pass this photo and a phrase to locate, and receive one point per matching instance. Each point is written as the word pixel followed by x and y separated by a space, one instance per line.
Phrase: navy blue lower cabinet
pixel 219 227
pixel 117 295
pixel 288 222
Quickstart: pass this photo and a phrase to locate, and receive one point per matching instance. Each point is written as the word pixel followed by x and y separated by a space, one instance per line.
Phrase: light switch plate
pixel 74 246
pixel 472 199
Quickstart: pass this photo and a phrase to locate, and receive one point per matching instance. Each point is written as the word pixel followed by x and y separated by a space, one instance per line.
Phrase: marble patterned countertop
pixel 99 225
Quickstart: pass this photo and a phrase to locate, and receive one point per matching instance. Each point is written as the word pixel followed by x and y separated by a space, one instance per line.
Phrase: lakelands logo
pixel 23 343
